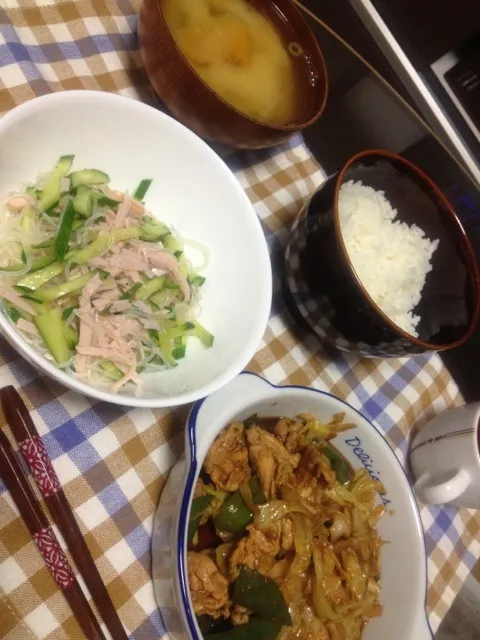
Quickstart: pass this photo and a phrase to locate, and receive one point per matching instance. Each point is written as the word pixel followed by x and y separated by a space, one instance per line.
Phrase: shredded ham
pixel 106 299
pixel 19 202
pixel 7 292
pixel 84 339
pixel 106 337
pixel 131 375
pixel 120 306
pixel 107 353
pixel 100 304
pixel 108 285
pixel 126 260
pixel 150 323
pixel 87 323
pixel 142 306
pixel 27 326
pixel 167 262
pixel 136 207
pixel 122 212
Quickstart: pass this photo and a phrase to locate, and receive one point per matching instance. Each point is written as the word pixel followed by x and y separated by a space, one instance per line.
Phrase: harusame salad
pixel 93 281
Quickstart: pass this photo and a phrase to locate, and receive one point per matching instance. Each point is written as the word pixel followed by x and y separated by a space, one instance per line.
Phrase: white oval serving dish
pixel 403 560
pixel 192 190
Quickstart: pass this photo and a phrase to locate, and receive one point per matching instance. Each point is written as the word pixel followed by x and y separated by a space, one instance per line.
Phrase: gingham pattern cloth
pixel 113 462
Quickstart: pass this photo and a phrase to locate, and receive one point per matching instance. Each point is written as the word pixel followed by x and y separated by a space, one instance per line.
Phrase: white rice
pixel 391 258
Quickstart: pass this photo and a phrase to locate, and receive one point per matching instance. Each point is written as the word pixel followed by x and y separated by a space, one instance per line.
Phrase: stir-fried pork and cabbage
pixel 93 281
pixel 282 538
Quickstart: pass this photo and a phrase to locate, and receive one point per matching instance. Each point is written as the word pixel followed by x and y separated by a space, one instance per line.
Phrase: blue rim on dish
pixel 185 505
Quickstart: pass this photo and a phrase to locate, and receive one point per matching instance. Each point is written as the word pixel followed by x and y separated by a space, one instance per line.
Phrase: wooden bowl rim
pixel 273 127
pixel 382 153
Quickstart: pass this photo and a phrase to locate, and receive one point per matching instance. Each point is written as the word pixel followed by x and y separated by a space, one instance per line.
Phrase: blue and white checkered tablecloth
pixel 112 462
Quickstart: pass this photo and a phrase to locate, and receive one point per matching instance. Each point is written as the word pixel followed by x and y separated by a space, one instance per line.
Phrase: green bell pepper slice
pixel 337 463
pixel 234 515
pixel 199 505
pixel 261 595
pixel 255 629
pixel 257 494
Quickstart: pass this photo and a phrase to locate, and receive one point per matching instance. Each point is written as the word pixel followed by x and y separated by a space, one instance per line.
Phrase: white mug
pixel 445 458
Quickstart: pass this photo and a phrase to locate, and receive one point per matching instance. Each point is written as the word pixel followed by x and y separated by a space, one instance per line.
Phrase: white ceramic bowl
pixel 192 189
pixel 403 561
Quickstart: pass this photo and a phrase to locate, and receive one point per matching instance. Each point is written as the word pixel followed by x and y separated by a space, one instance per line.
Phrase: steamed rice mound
pixel 391 258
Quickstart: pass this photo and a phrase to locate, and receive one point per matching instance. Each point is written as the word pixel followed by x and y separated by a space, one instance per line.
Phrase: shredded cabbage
pixel 268 513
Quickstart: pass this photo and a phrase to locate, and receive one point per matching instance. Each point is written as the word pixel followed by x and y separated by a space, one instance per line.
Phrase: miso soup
pixel 238 52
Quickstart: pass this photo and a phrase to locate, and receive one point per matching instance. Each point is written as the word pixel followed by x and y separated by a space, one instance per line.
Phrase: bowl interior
pixel 192 190
pixel 449 305
pixel 308 62
pixel 403 559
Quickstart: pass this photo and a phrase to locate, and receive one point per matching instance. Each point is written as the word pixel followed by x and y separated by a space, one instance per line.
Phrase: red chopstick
pixel 36 456
pixel 17 483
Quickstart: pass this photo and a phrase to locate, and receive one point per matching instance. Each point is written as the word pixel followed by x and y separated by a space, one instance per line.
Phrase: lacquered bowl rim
pixel 288 128
pixel 468 249
pixel 189 487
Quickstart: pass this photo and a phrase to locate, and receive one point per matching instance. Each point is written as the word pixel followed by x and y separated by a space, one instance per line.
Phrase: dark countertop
pixel 363 113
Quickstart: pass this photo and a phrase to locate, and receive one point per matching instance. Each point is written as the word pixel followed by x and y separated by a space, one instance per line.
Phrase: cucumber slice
pixel 64 231
pixel 42 262
pixel 70 336
pixel 66 313
pixel 111 370
pixel 50 327
pixel 98 246
pixel 166 349
pixel 200 332
pixel 197 280
pixel 142 189
pixel 171 243
pixel 88 177
pixel 128 295
pixel 48 294
pixel 83 201
pixel 15 313
pixel 150 287
pixel 171 284
pixel 77 223
pixel 28 218
pixel 33 281
pixel 31 297
pixel 12 268
pixel 103 200
pixel 162 297
pixel 45 244
pixel 32 191
pixel 50 194
pixel 153 230
pixel 180 348
pixel 40 307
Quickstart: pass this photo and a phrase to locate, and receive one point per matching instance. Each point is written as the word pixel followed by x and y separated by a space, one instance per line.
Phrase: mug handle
pixel 431 491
